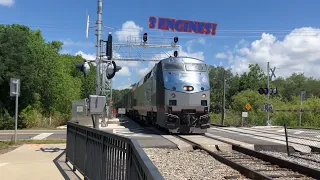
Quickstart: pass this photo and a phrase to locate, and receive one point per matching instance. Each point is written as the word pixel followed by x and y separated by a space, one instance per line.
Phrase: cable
pixel 248 33
pixel 167 31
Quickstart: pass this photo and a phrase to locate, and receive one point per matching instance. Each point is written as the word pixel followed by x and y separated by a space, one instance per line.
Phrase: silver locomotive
pixel 174 95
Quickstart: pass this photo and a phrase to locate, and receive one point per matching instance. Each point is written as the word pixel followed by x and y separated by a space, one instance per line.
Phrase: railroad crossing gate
pixel 248 106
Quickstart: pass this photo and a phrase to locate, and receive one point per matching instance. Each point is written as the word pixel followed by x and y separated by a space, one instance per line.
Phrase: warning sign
pixel 248 106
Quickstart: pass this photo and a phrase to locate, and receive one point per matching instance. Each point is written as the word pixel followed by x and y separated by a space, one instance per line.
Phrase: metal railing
pixel 101 155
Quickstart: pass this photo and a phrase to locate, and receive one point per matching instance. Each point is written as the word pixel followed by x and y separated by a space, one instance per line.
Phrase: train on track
pixel 174 95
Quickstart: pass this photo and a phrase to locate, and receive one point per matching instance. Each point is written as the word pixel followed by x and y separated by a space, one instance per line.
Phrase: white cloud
pixel 221 56
pixel 298 52
pixel 128 28
pixel 6 3
pixel 124 63
pixel 69 42
pixel 125 85
pixel 142 72
pixel 124 72
pixel 64 51
pixel 86 56
pixel 190 43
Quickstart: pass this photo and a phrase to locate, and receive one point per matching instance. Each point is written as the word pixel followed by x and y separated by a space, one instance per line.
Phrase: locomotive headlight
pixel 203 95
pixel 190 88
pixel 185 88
pixel 173 95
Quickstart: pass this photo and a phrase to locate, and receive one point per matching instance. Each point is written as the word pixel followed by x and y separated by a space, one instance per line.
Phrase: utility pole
pixel 98 33
pixel 302 96
pixel 98 57
pixel 111 105
pixel 269 92
pixel 268 86
pixel 224 99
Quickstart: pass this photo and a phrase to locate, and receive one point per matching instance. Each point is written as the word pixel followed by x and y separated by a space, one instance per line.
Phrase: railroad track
pixel 253 132
pixel 256 165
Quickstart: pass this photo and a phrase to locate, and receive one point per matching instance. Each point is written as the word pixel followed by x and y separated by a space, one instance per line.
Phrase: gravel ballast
pixel 174 164
pixel 313 162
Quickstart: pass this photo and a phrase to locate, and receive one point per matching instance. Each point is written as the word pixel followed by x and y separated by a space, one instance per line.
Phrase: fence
pixel 101 155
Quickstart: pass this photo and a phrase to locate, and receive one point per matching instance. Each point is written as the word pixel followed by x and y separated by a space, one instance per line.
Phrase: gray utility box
pixel 97 104
pixel 80 112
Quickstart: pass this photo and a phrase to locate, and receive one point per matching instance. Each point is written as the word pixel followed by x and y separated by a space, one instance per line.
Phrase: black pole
pixel 285 131
pixel 223 98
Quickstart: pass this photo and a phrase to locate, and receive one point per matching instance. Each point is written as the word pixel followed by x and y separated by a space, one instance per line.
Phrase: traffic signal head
pixel 175 39
pixel 109 47
pixel 145 37
pixel 175 53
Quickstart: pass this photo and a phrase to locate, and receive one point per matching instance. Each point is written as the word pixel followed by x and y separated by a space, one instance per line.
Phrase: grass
pixel 7 144
pixel 231 119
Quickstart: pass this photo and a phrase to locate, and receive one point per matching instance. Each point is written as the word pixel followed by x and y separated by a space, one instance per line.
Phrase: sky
pixel 285 33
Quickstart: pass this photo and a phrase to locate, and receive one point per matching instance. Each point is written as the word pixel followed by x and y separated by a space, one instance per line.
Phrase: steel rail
pixel 237 166
pixel 313 148
pixel 274 160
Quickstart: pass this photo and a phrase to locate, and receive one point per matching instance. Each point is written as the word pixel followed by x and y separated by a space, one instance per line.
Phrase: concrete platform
pixel 258 143
pixel 36 161
pixel 145 136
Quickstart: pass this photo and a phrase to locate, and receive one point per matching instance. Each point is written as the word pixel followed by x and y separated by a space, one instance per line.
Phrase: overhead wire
pixel 182 35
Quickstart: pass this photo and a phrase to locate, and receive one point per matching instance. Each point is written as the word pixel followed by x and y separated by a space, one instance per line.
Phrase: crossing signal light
pixel 145 37
pixel 265 91
pixel 274 91
pixel 118 68
pixel 85 68
pixel 113 70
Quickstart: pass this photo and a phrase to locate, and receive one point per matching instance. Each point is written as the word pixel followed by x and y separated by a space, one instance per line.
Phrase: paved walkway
pixel 37 161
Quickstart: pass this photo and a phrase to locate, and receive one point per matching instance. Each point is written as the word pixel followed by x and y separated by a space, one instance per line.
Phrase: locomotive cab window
pixel 196 67
pixel 173 66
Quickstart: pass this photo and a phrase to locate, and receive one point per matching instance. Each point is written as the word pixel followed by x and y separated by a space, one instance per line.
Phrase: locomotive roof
pixel 182 59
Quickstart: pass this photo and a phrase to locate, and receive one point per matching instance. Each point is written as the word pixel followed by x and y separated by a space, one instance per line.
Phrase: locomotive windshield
pixel 184 67
pixel 173 67
pixel 196 67
pixel 179 79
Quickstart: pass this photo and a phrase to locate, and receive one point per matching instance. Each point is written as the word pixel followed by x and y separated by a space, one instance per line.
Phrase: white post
pixel 16 118
pixel 300 113
pixel 50 118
